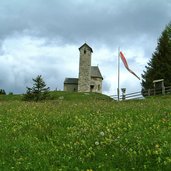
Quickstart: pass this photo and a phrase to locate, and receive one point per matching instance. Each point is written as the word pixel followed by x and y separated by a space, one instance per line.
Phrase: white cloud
pixel 26 57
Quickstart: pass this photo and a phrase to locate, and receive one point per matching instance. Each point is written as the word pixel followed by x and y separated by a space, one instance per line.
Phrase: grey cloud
pixel 94 21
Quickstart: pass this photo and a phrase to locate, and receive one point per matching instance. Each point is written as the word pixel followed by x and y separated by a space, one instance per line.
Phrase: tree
pixel 2 92
pixel 39 91
pixel 159 66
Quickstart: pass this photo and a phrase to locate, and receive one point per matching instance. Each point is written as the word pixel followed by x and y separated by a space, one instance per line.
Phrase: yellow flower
pixel 157 146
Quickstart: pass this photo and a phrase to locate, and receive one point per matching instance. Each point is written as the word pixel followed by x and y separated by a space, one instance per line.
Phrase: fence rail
pixel 144 93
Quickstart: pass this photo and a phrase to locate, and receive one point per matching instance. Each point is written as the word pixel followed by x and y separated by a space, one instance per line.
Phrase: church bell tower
pixel 84 68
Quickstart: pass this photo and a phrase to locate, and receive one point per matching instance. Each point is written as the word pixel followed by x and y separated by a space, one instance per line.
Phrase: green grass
pixel 85 132
pixel 10 97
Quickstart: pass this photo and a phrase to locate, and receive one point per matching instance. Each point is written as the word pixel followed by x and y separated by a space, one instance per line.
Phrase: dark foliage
pixel 2 92
pixel 10 93
pixel 159 66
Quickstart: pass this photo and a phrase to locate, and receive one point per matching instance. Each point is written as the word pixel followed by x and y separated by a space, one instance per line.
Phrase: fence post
pixel 123 93
pixel 148 92
pixel 163 88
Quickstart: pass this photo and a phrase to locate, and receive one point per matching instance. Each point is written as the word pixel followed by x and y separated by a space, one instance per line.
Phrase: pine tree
pixel 39 91
pixel 159 66
pixel 2 92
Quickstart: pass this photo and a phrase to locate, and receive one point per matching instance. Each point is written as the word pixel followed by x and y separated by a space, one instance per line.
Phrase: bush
pixel 10 93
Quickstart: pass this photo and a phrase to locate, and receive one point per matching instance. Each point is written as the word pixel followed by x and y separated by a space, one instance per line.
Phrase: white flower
pixel 102 133
pixel 96 143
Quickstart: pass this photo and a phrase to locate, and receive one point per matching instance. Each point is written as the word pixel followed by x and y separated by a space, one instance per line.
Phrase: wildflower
pixel 157 146
pixel 102 133
pixel 97 143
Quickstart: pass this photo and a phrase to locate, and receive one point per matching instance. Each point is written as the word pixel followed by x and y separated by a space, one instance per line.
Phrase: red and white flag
pixel 126 64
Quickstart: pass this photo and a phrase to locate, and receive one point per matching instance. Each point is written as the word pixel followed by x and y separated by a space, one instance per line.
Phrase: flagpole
pixel 118 92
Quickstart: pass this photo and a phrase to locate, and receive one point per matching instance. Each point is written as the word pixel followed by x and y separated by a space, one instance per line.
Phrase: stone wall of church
pixel 96 85
pixel 71 87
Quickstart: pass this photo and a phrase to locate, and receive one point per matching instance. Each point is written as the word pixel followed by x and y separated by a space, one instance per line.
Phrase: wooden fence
pixel 144 93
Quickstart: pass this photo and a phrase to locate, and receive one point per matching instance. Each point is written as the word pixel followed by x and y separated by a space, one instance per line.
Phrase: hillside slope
pixel 85 132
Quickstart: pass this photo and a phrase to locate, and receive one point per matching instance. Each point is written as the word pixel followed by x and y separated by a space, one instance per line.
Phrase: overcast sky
pixel 42 37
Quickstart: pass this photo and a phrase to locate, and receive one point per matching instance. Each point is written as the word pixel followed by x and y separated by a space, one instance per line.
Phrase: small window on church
pixel 91 87
pixel 84 51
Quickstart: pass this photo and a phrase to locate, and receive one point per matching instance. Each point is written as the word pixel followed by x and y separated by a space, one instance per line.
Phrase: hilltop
pixel 62 95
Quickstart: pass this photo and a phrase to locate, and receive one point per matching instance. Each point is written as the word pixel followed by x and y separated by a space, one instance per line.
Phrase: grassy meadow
pixel 85 132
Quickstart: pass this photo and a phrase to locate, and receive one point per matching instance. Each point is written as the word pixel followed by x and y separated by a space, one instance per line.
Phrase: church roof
pixel 85 44
pixel 71 81
pixel 95 72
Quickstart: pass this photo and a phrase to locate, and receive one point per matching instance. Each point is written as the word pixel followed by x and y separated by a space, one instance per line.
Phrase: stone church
pixel 90 78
